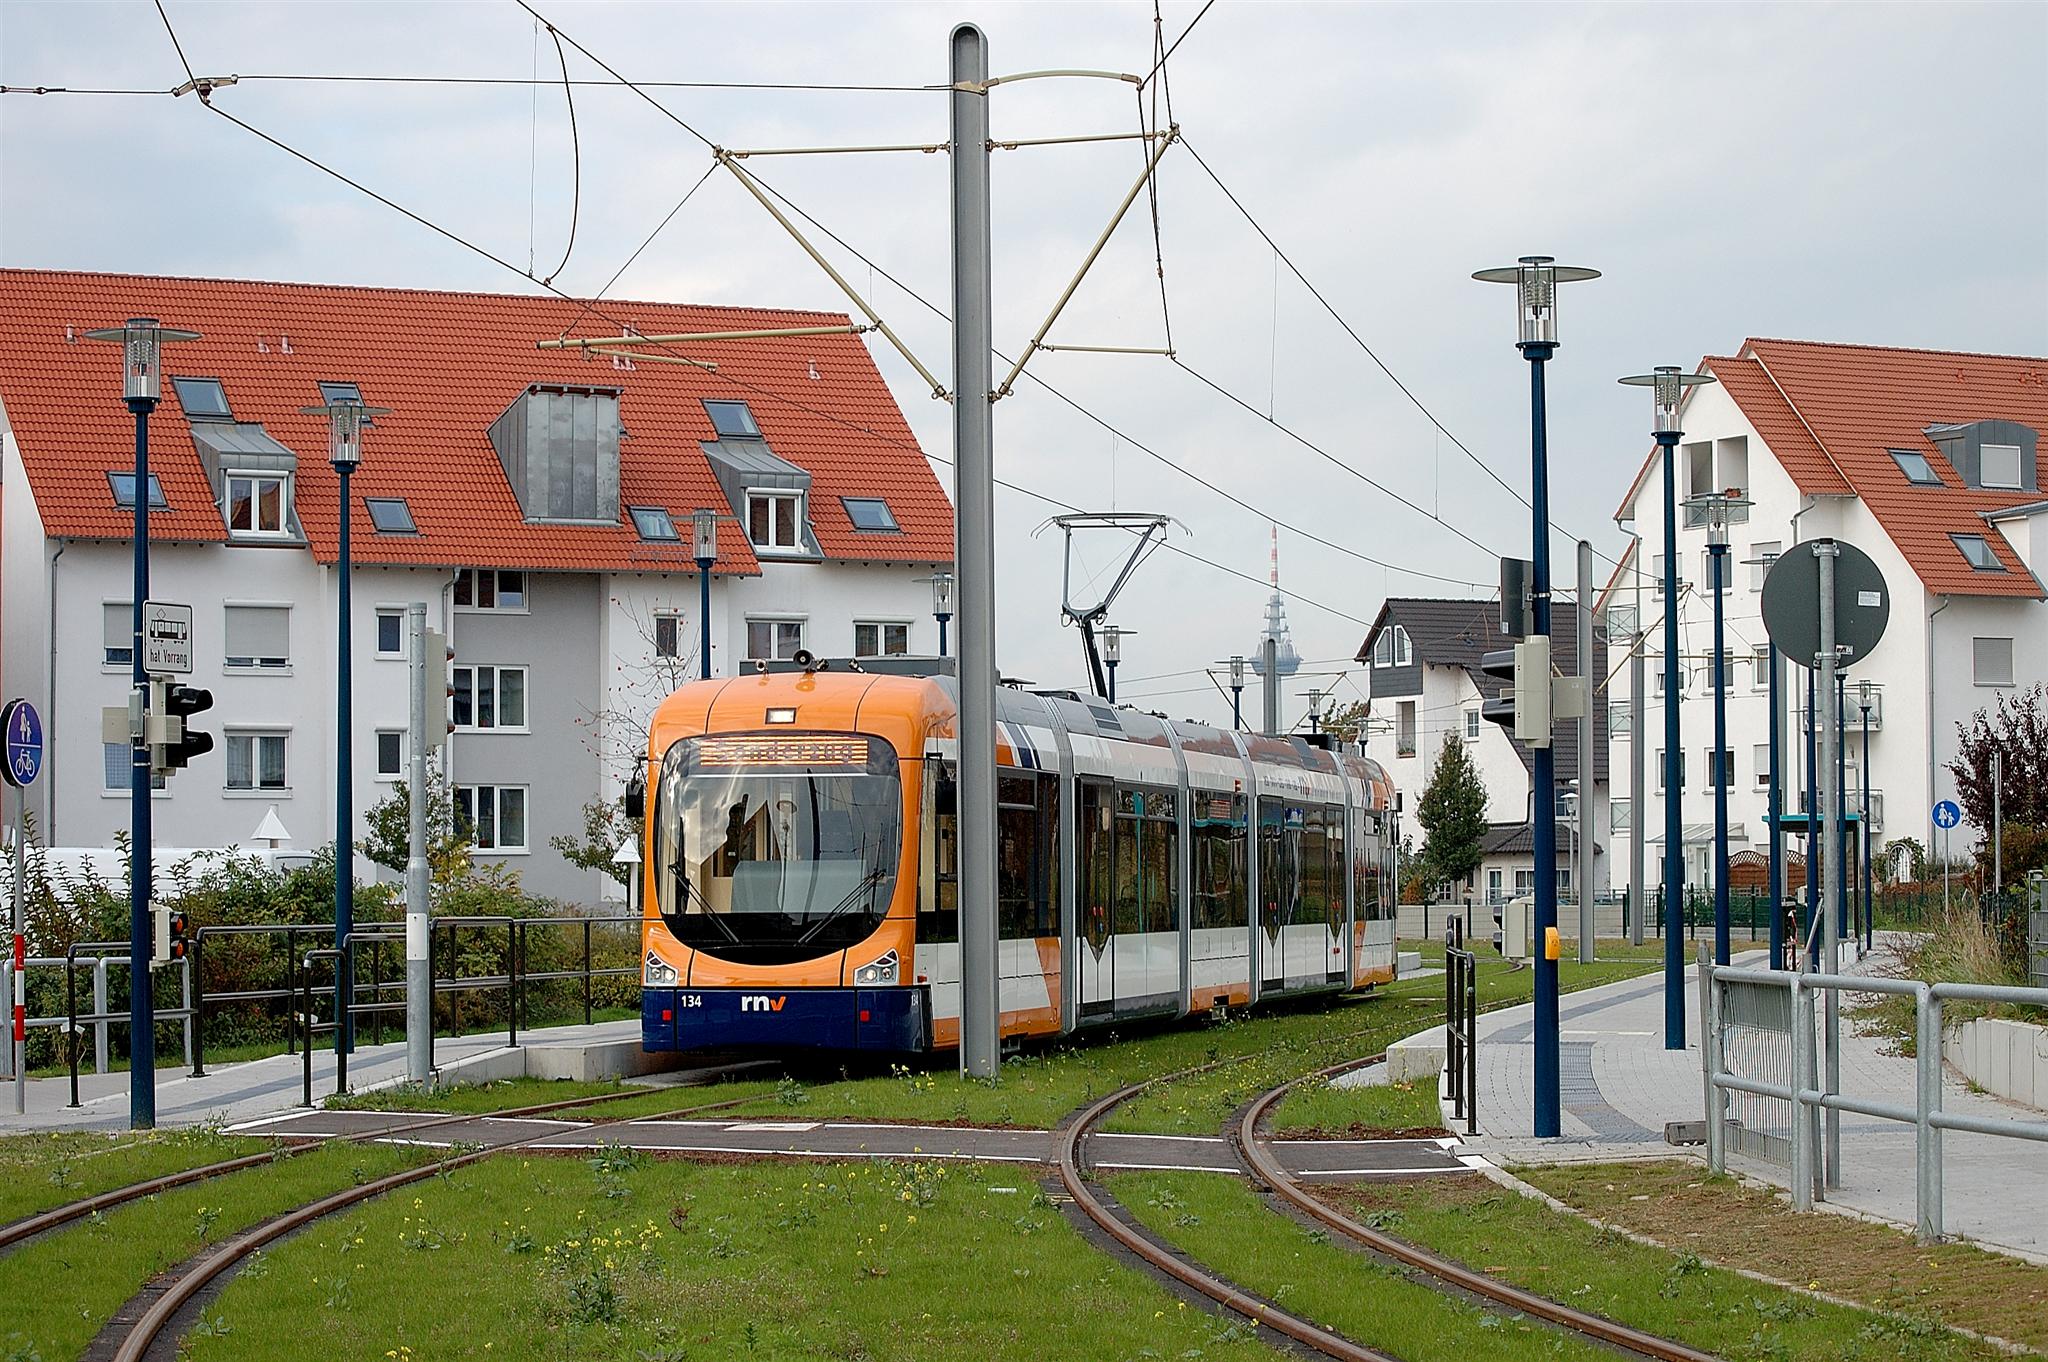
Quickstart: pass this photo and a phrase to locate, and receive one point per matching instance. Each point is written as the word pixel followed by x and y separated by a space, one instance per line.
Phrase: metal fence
pixel 1760 1063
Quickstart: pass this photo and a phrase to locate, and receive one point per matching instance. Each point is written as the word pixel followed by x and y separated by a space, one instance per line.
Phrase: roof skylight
pixel 1978 551
pixel 341 392
pixel 869 513
pixel 204 399
pixel 732 420
pixel 1916 467
pixel 123 485
pixel 654 523
pixel 390 515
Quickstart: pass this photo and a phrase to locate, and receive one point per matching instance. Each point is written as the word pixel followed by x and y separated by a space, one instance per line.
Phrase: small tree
pixel 1452 812
pixel 605 826
pixel 1346 721
pixel 2018 733
pixel 449 838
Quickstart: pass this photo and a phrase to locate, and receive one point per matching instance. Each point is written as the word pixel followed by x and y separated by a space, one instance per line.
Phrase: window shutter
pixel 258 632
pixel 117 628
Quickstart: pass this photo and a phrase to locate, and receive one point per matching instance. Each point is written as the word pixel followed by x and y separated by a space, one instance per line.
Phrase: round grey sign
pixel 1863 605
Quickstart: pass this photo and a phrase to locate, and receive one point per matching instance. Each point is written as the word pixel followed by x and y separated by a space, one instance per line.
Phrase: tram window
pixel 1158 846
pixel 1315 867
pixel 938 902
pixel 1026 846
pixel 1218 825
pixel 1276 866
pixel 1126 915
pixel 1338 875
pixel 1097 877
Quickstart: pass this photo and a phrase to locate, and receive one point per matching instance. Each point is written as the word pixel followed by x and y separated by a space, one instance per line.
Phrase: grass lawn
pixel 1367 1111
pixel 1223 1224
pixel 528 1092
pixel 79 1275
pixel 1673 1294
pixel 1718 1219
pixel 625 1256
pixel 38 1172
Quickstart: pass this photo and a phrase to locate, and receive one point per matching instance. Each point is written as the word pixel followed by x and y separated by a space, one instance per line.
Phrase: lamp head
pixel 345 422
pixel 704 535
pixel 942 595
pixel 1536 278
pixel 1667 384
pixel 141 340
pixel 1237 672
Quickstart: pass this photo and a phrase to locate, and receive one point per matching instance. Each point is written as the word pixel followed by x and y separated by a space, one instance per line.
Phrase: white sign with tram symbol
pixel 166 638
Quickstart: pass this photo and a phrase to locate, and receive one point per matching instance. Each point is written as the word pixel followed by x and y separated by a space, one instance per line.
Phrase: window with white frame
pixel 118 763
pixel 1494 880
pixel 1525 882
pixel 1720 768
pixel 774 521
pixel 774 640
pixel 1383 649
pixel 1727 670
pixel 1660 770
pixel 1621 814
pixel 117 634
pixel 1760 666
pixel 1999 466
pixel 1403 653
pixel 490 589
pixel 1707 579
pixel 259 504
pixel 1404 729
pixel 1991 661
pixel 1760 757
pixel 494 814
pixel 668 635
pixel 390 632
pixel 255 760
pixel 1471 725
pixel 258 638
pixel 390 753
pixel 1621 720
pixel 880 638
pixel 490 698
pixel 1762 555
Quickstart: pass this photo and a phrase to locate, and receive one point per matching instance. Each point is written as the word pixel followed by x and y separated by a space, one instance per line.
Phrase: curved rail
pixel 1258 1161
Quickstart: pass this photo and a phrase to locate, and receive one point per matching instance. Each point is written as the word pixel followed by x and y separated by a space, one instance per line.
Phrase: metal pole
pixel 1865 825
pixel 942 633
pixel 419 987
pixel 1710 1065
pixel 1547 1099
pixel 1269 660
pixel 1717 559
pixel 1928 1072
pixel 141 1005
pixel 1831 738
pixel 1839 901
pixel 974 554
pixel 1237 707
pixel 1583 845
pixel 1112 681
pixel 18 1028
pixel 1674 795
pixel 344 786
pixel 1802 1080
pixel 1638 754
pixel 1776 811
pixel 1997 821
pixel 704 617
pixel 1809 944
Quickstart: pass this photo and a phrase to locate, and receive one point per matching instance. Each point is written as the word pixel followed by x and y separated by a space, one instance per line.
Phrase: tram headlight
pixel 879 972
pixel 659 973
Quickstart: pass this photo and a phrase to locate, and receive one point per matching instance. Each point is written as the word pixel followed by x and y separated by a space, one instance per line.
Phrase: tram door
pixel 1276 891
pixel 1097 900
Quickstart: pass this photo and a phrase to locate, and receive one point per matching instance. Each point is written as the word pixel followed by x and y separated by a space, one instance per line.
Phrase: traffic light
pixel 168 940
pixel 440 687
pixel 172 741
pixel 1524 707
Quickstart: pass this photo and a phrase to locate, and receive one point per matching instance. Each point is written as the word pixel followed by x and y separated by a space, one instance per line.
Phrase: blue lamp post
pixel 1668 384
pixel 1717 506
pixel 942 604
pixel 704 546
pixel 141 341
pixel 345 423
pixel 1536 278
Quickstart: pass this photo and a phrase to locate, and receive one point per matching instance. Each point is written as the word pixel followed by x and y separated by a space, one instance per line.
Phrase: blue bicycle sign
pixel 1946 814
pixel 24 742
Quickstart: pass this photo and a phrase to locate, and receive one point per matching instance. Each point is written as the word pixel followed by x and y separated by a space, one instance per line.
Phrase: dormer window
pixel 123 486
pixel 203 399
pixel 259 504
pixel 2000 466
pixel 1978 551
pixel 654 524
pixel 1916 467
pixel 732 420
pixel 774 520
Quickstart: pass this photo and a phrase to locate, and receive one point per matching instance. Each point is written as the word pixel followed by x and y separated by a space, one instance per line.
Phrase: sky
pixel 1875 174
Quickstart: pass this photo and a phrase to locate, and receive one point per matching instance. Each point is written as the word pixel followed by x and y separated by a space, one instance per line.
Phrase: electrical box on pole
pixel 1524 708
pixel 168 938
pixel 1517 607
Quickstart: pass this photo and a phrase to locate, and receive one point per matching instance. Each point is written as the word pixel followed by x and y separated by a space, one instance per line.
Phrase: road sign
pixel 24 730
pixel 1792 604
pixel 166 638
pixel 1946 814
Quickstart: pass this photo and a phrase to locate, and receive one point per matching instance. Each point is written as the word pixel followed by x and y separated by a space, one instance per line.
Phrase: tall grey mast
pixel 974 554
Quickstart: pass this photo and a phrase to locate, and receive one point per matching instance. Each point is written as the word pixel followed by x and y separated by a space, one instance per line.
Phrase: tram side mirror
pixel 635 798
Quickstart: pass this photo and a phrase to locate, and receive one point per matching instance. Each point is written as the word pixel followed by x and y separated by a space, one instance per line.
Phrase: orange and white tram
pixel 799 855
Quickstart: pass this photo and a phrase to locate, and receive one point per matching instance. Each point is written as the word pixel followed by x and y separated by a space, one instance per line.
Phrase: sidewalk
pixel 234 1093
pixel 1620 1086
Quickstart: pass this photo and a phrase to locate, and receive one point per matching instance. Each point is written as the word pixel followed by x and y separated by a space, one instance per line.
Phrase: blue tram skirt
pixel 883 1019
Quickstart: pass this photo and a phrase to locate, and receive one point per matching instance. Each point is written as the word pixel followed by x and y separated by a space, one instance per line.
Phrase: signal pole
pixel 974 553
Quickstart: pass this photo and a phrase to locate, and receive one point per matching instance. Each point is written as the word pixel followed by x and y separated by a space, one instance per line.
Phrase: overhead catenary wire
pixel 576 154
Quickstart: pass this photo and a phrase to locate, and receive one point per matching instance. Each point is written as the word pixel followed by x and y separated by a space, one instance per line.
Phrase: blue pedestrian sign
pixel 24 733
pixel 1946 814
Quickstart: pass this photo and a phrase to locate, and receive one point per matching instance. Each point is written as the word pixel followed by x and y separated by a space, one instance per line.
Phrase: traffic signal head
pixel 439 662
pixel 1523 708
pixel 180 703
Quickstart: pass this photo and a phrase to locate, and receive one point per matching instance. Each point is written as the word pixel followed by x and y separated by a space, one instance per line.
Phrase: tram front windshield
pixel 776 847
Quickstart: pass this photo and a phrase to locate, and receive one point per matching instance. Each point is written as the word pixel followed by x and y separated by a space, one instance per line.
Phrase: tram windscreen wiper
pixel 866 886
pixel 691 891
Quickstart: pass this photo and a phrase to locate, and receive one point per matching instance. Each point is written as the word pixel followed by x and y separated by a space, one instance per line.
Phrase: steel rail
pixel 1258 1161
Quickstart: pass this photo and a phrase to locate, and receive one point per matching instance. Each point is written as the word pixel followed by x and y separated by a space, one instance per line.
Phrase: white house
pixel 1928 461
pixel 537 501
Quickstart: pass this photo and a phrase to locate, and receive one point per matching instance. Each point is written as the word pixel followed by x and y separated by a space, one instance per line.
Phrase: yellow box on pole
pixel 1553 944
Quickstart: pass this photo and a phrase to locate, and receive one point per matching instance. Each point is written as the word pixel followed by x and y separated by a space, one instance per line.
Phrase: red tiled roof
pixel 1861 401
pixel 448 364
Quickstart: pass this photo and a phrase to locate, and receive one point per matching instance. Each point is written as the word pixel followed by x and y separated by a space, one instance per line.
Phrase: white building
pixel 538 502
pixel 1928 461
pixel 1422 661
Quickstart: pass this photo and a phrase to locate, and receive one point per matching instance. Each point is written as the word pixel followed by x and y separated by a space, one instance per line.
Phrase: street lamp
pixel 942 604
pixel 1237 691
pixel 1716 506
pixel 345 422
pixel 1667 386
pixel 141 340
pixel 704 548
pixel 1315 711
pixel 1572 806
pixel 1113 651
pixel 1536 278
pixel 1866 699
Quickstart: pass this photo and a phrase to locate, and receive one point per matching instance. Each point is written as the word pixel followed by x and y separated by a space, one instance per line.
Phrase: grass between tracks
pixel 57 1292
pixel 1721 1220
pixel 622 1256
pixel 43 1171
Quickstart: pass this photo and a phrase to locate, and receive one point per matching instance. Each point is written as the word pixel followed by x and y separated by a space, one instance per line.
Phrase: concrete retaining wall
pixel 2007 1058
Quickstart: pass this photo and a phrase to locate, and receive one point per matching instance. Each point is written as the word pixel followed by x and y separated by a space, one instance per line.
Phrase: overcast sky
pixel 1863 173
